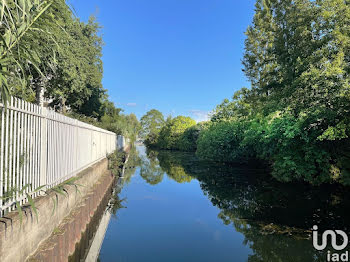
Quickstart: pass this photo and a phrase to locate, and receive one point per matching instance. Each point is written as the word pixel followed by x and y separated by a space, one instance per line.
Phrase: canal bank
pixel 65 238
pixel 72 238
pixel 61 220
pixel 19 238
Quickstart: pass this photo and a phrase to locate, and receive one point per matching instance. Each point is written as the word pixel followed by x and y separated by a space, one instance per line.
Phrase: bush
pixel 295 152
pixel 222 142
pixel 293 149
pixel 116 161
pixel 170 134
pixel 188 140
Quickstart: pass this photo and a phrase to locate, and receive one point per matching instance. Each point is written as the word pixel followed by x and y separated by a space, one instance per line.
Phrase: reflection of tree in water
pixel 159 162
pixel 172 167
pixel 133 162
pixel 275 218
pixel 150 170
pixel 115 203
pixel 273 243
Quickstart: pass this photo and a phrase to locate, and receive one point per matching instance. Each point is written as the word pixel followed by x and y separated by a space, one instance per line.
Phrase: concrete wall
pixel 70 239
pixel 20 240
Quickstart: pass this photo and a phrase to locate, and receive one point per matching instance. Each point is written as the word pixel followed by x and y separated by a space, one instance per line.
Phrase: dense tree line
pixel 296 115
pixel 179 133
pixel 45 49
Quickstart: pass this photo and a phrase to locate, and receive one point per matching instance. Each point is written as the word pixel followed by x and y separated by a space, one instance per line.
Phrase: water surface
pixel 173 207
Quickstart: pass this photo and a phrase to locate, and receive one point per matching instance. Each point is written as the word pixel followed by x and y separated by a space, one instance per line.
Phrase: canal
pixel 170 206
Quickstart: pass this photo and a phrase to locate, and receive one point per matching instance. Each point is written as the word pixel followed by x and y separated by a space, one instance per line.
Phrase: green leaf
pixel 32 204
pixel 59 191
pixel 20 212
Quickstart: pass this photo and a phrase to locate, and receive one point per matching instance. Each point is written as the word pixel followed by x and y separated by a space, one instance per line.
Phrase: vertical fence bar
pixel 25 147
pixel 14 124
pixel 50 160
pixel 30 147
pixel 6 149
pixel 43 146
pixel 22 130
pixel 35 147
pixel 2 145
pixel 48 148
pixel 55 150
pixel 18 130
pixel 10 178
pixel 59 150
pixel 38 147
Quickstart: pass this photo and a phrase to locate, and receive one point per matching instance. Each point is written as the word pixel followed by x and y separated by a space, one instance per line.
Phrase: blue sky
pixel 182 57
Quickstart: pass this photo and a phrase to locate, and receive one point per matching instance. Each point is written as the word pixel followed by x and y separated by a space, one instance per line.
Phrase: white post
pixel 43 150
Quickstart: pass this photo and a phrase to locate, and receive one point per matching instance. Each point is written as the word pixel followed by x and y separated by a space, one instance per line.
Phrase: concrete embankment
pixel 55 232
pixel 62 245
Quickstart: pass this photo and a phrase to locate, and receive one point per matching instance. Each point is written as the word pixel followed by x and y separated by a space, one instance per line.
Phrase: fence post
pixel 43 149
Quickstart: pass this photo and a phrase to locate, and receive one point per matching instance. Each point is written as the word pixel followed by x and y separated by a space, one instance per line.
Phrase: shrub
pixel 170 134
pixel 188 140
pixel 221 142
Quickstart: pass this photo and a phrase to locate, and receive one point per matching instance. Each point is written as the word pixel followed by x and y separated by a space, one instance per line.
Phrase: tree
pixel 76 81
pixel 296 115
pixel 297 58
pixel 188 140
pixel 170 134
pixel 240 107
pixel 151 124
pixel 45 48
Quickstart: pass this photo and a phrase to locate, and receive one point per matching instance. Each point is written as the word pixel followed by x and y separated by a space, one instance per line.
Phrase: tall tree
pixel 151 124
pixel 172 131
pixel 296 116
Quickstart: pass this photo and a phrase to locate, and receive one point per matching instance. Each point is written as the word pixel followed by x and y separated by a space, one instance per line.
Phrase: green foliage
pixel 126 125
pixel 75 81
pixel 241 106
pixel 173 167
pixel 221 142
pixel 13 192
pixel 120 124
pixel 116 161
pixel 150 169
pixel 294 152
pixel 133 162
pixel 171 133
pixel 61 189
pixel 151 124
pixel 188 140
pixel 20 21
pixel 296 115
pixel 45 47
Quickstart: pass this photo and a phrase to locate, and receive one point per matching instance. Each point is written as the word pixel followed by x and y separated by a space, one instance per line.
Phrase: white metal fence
pixel 39 147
